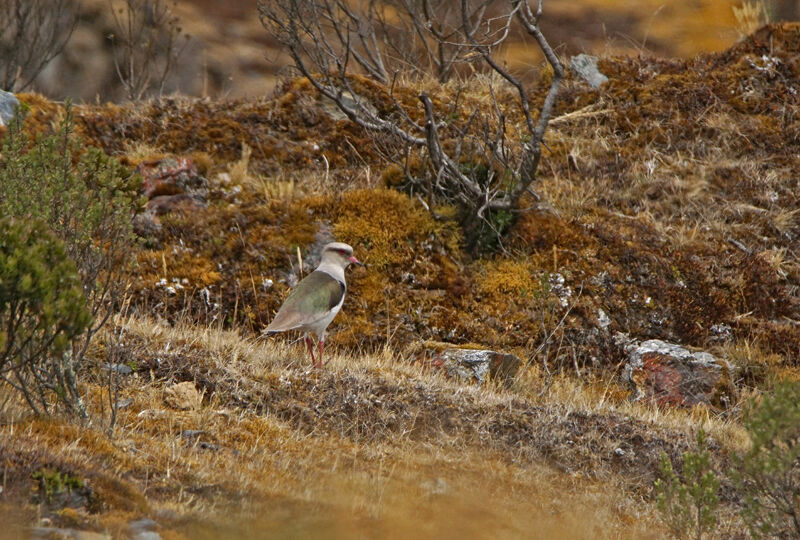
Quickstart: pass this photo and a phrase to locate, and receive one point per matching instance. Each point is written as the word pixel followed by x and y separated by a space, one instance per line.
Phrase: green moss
pixel 52 483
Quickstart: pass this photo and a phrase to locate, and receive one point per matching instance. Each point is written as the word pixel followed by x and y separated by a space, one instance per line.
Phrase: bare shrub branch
pixel 147 45
pixel 32 32
pixel 472 159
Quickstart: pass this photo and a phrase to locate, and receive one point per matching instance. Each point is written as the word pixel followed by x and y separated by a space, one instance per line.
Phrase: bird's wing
pixel 314 297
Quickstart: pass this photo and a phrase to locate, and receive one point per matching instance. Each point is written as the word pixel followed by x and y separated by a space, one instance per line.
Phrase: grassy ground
pixel 371 446
pixel 668 203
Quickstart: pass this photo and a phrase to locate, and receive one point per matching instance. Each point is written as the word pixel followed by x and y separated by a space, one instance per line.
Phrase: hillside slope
pixel 667 209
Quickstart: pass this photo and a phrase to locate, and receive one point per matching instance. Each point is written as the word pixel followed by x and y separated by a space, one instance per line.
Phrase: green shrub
pixel 768 474
pixel 86 200
pixel 42 309
pixel 688 503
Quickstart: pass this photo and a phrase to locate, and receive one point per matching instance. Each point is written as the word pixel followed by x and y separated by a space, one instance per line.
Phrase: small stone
pixel 146 535
pixel 183 396
pixel 146 224
pixel 123 403
pixel 721 333
pixel 152 413
pixel 603 319
pixel 437 486
pixel 8 107
pixel 585 66
pixel 142 525
pixel 166 204
pixel 120 369
pixel 72 534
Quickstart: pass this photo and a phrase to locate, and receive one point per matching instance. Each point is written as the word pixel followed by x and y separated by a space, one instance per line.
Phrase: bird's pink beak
pixel 355 261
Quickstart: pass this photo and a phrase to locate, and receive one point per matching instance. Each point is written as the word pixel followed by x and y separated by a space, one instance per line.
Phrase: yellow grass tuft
pixel 750 16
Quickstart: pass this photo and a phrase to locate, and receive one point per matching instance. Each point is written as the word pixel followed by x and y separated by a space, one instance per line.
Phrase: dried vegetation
pixel 669 203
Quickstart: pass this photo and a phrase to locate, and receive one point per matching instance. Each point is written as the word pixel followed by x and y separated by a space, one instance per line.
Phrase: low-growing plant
pixel 86 200
pixel 42 309
pixel 768 474
pixel 688 502
pixel 53 483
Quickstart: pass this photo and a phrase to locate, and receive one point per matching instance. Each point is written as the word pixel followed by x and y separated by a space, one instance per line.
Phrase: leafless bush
pixel 147 45
pixel 32 32
pixel 471 160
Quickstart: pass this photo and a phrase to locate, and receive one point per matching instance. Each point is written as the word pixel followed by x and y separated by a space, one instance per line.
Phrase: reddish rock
pixel 164 204
pixel 471 364
pixel 171 176
pixel 671 375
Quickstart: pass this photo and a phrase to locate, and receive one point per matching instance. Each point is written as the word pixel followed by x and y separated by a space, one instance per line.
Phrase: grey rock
pixel 472 364
pixel 54 532
pixel 121 404
pixel 141 525
pixel 146 224
pixel 8 106
pixel 120 369
pixel 354 102
pixel 143 529
pixel 585 66
pixel 146 535
pixel 435 487
pixel 721 333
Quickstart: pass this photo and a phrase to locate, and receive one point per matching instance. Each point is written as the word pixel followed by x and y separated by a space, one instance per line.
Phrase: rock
pixel 471 364
pixel 71 534
pixel 672 375
pixel 585 67
pixel 143 529
pixel 720 333
pixel 351 101
pixel 146 224
pixel 146 535
pixel 436 487
pixel 152 413
pixel 183 396
pixel 123 403
pixel 165 204
pixel 8 106
pixel 140 525
pixel 119 369
pixel 172 176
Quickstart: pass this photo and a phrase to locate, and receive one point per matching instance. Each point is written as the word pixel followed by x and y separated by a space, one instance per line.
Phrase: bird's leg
pixel 310 346
pixel 320 346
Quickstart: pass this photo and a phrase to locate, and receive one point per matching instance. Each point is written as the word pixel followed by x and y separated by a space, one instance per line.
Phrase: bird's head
pixel 339 254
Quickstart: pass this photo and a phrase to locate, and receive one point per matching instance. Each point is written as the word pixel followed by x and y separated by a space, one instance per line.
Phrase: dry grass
pixel 331 452
pixel 749 16
pixel 667 200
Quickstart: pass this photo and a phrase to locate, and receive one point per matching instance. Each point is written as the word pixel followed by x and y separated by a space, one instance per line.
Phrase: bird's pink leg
pixel 310 346
pixel 320 346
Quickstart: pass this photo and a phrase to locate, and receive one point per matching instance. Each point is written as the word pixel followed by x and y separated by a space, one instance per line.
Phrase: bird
pixel 315 301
